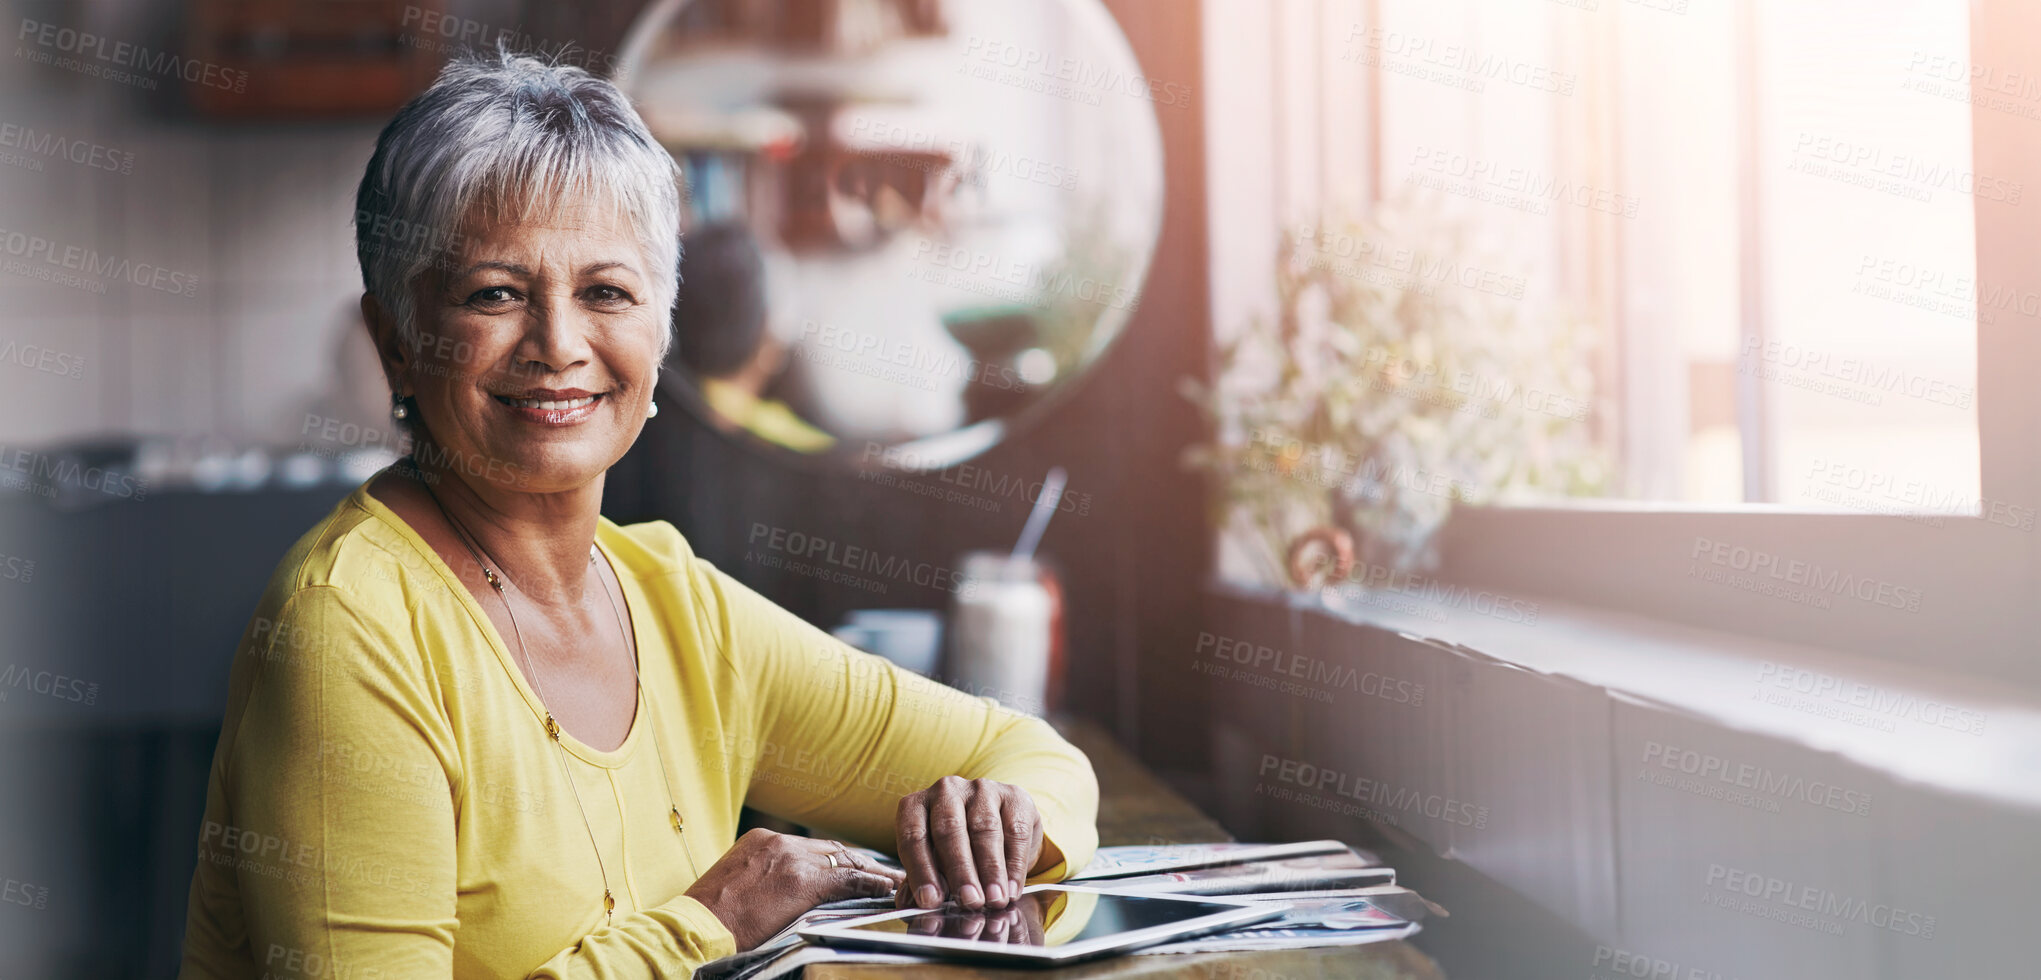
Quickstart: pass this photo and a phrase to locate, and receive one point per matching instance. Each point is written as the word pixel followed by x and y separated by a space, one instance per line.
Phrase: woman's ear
pixel 389 342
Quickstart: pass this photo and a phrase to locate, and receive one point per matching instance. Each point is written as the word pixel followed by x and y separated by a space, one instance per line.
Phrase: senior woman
pixel 477 730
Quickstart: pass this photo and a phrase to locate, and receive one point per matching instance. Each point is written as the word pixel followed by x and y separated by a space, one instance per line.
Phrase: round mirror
pixel 911 223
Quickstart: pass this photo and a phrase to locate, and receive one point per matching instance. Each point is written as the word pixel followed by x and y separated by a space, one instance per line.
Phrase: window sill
pixel 1948 732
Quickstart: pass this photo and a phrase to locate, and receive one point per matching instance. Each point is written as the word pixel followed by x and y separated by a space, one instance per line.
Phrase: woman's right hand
pixel 766 880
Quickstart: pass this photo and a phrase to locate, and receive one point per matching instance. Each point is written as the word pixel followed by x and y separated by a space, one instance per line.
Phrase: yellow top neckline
pixel 612 759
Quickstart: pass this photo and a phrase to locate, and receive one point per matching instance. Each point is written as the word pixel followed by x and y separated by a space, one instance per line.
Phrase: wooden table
pixel 1135 807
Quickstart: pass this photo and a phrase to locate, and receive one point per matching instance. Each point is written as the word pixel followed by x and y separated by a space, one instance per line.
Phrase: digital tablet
pixel 1051 925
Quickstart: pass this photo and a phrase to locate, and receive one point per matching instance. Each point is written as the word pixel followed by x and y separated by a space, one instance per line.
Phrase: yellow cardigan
pixel 384 802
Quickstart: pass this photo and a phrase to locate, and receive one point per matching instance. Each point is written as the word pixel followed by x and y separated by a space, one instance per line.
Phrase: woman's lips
pixel 551 411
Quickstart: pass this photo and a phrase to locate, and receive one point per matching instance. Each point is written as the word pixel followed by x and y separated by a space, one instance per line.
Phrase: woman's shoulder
pixel 667 568
pixel 361 550
pixel 649 548
pixel 359 596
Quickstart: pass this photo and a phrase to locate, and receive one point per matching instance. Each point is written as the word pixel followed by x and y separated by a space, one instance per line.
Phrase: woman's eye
pixel 492 296
pixel 608 296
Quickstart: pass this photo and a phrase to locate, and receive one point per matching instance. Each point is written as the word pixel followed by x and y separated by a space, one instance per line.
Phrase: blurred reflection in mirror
pixel 724 342
pixel 953 206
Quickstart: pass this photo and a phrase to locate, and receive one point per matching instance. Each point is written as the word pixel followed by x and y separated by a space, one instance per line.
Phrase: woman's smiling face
pixel 539 344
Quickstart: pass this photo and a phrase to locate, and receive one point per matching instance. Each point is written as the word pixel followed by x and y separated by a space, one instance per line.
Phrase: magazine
pixel 1326 921
pixel 1345 868
pixel 1114 862
pixel 1393 899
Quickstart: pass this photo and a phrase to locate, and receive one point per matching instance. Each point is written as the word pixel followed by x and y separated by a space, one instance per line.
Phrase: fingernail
pixel 927 897
pixel 970 896
pixel 1018 888
pixel 995 894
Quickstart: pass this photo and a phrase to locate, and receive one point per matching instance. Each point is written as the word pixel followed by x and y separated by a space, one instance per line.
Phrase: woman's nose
pixel 558 335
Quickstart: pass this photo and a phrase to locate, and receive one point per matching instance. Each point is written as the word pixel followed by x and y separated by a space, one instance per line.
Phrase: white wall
pixel 258 214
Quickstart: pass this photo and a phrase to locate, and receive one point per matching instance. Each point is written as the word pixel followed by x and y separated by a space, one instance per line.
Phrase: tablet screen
pixel 1034 919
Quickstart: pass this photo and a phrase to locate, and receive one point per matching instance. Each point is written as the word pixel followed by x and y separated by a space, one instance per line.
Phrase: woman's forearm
pixel 670 940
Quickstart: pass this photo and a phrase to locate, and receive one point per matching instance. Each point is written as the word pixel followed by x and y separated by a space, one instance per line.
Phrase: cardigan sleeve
pixel 841 735
pixel 339 802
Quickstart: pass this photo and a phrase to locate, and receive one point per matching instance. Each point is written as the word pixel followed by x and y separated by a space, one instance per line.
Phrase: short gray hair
pixel 514 133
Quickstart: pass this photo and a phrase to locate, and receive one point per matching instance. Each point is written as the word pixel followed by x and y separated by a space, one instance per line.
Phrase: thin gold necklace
pixel 496 581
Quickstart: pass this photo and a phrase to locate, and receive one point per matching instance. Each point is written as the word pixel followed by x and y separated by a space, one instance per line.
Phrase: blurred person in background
pixel 724 341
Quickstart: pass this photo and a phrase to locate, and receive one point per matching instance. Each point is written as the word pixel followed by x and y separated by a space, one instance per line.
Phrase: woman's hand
pixel 971 840
pixel 766 879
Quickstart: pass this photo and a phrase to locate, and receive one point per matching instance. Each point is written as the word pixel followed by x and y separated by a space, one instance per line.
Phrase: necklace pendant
pixel 494 582
pixel 552 727
pixel 609 905
pixel 676 820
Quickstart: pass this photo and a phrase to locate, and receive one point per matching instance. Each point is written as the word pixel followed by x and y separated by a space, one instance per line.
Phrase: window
pixel 1764 210
pixel 1800 233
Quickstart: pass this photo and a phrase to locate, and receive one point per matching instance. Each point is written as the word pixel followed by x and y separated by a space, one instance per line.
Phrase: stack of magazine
pixel 1337 895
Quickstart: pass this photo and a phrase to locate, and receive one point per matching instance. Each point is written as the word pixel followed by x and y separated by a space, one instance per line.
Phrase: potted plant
pixel 1406 370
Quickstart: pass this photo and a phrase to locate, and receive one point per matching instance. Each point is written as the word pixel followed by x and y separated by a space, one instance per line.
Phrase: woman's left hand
pixel 970 840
